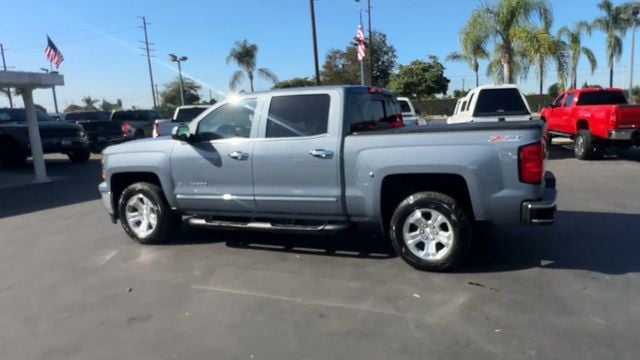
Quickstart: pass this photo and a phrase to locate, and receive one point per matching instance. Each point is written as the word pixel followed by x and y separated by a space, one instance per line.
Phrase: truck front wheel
pixel 430 231
pixel 145 215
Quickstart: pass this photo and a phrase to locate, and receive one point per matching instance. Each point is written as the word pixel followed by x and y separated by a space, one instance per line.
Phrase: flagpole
pixel 362 59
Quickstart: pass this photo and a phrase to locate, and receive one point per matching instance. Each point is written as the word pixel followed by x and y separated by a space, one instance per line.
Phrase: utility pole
pixel 635 10
pixel 315 41
pixel 370 42
pixel 157 94
pixel 462 84
pixel 4 66
pixel 146 48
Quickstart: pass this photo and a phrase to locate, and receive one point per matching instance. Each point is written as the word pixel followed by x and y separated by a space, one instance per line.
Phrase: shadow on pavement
pixel 605 243
pixel 559 152
pixel 72 183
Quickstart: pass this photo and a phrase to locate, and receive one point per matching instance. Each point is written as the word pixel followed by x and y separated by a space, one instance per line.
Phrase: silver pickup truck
pixel 323 159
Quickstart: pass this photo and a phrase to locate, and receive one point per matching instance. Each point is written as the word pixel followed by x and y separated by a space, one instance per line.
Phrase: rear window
pixel 87 116
pixel 603 97
pixel 188 114
pixel 374 111
pixel 499 102
pixel 404 106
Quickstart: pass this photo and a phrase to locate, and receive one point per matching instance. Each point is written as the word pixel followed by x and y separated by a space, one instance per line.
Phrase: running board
pixel 265 226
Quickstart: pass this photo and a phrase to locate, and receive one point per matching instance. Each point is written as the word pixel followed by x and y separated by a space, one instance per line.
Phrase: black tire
pixel 79 156
pixel 11 155
pixel 167 223
pixel 461 230
pixel 584 145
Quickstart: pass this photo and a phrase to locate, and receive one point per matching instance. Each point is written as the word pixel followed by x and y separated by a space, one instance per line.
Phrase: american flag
pixel 53 54
pixel 361 48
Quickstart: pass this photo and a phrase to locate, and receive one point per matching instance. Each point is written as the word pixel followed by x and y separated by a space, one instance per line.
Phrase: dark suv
pixel 57 137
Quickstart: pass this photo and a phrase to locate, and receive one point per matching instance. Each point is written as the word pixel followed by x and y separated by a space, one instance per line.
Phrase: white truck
pixel 182 115
pixel 410 114
pixel 491 103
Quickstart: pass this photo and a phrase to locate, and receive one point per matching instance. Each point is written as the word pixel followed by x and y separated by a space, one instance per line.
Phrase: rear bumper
pixel 541 211
pixel 105 194
pixel 624 134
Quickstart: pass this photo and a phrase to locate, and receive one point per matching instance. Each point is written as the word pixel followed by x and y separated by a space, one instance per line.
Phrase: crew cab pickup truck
pixel 182 115
pixel 322 159
pixel 491 103
pixel 100 130
pixel 56 136
pixel 595 118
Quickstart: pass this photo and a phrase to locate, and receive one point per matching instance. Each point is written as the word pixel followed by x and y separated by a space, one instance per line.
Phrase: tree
pixel 473 42
pixel 170 97
pixel 554 90
pixel 343 67
pixel 73 108
pixel 420 79
pixel 613 24
pixel 89 103
pixel 573 41
pixel 107 106
pixel 244 55
pixel 295 82
pixel 458 93
pixel 501 22
pixel 540 48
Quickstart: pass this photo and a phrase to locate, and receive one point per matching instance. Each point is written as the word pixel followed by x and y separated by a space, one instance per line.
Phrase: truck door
pixel 566 124
pixel 296 163
pixel 213 171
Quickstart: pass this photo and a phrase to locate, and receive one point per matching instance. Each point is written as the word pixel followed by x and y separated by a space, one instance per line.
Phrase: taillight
pixel 397 122
pixel 531 163
pixel 375 90
pixel 125 128
pixel 155 132
pixel 612 119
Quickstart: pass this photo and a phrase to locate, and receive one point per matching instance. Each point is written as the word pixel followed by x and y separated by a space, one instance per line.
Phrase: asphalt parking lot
pixel 73 286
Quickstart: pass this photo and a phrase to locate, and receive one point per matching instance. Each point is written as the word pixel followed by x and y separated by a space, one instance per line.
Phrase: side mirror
pixel 181 133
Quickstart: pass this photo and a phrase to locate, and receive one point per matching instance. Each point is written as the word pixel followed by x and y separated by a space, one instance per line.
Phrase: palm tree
pixel 244 55
pixel 501 22
pixel 613 25
pixel 89 103
pixel 540 48
pixel 573 41
pixel 473 42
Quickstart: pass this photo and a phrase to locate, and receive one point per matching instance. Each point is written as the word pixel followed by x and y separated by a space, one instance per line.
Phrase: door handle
pixel 321 153
pixel 239 155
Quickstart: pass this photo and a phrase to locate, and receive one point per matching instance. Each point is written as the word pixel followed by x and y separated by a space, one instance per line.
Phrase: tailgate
pixel 628 116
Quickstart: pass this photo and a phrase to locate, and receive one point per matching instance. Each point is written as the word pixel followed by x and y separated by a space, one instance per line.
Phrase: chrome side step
pixel 266 226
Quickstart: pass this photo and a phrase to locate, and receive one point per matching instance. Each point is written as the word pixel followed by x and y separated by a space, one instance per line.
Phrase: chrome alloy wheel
pixel 579 144
pixel 142 215
pixel 428 234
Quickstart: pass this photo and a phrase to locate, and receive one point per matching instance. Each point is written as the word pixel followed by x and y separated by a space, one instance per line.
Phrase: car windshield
pixel 19 116
pixel 404 106
pixel 500 102
pixel 87 116
pixel 188 114
pixel 603 97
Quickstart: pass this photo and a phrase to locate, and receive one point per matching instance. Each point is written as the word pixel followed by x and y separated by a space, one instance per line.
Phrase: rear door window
pixel 602 97
pixel 298 115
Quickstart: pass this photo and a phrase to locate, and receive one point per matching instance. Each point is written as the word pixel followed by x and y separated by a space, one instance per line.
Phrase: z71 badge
pixel 504 138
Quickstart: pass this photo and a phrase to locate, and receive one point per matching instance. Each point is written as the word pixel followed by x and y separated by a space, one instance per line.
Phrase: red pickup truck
pixel 594 118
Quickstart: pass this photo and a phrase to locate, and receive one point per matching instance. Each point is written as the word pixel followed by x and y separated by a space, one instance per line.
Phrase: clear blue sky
pixel 99 40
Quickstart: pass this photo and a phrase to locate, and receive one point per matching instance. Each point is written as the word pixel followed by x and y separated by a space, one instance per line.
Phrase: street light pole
pixel 370 42
pixel 179 60
pixel 315 41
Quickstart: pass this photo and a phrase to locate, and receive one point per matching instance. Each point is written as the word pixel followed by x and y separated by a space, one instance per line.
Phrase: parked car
pixel 136 124
pixel 410 115
pixel 57 137
pixel 594 118
pixel 491 103
pixel 182 115
pixel 100 130
pixel 321 159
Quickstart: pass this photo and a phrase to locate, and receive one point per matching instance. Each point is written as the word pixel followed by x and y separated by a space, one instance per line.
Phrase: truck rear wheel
pixel 584 145
pixel 145 215
pixel 430 231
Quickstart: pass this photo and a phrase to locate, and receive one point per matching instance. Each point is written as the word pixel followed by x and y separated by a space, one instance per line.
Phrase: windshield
pixel 188 114
pixel 19 115
pixel 604 97
pixel 500 102
pixel 87 116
